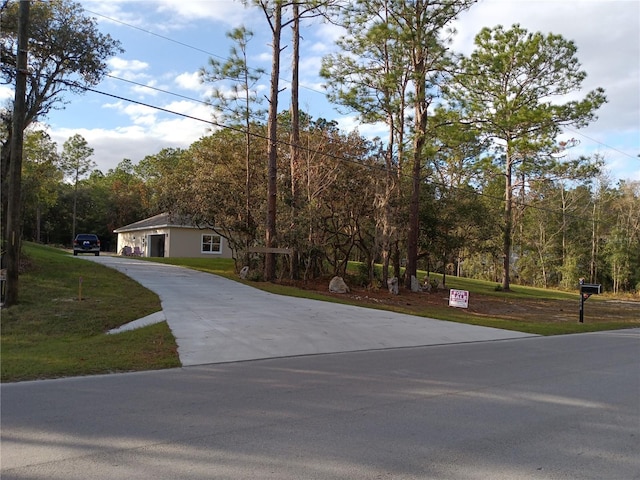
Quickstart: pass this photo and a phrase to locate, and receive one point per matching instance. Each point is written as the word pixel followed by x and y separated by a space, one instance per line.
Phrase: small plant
pixel 498 288
pixel 255 275
pixel 430 284
pixel 361 277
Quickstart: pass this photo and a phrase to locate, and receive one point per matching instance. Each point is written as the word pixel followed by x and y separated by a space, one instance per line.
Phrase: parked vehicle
pixel 86 243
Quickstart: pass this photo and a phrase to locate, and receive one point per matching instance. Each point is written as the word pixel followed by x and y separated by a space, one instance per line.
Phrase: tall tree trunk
pixel 444 269
pixel 272 165
pixel 13 230
pixel 416 176
pixel 593 272
pixel 295 141
pixel 508 222
pixel 75 211
pixel 395 255
pixel 5 161
pixel 414 221
pixel 564 224
pixel 38 223
pixel 250 236
pixel 396 259
pixel 387 214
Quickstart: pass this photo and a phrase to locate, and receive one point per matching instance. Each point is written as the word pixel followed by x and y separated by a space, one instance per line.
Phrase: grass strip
pixel 66 304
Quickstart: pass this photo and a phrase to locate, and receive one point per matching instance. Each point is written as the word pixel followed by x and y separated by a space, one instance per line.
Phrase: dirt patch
pixel 487 306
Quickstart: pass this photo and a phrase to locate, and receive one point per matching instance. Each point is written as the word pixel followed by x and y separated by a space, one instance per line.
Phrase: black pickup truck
pixel 86 243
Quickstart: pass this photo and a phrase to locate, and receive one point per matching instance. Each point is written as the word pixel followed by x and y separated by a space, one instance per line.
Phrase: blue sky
pixel 186 33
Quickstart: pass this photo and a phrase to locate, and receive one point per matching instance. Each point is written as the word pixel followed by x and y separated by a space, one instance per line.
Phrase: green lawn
pixel 67 304
pixel 58 329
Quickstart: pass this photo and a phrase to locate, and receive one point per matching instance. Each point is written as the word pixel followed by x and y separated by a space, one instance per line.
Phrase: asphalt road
pixel 565 407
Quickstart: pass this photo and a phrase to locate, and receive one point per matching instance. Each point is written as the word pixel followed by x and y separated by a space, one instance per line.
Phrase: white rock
pixel 337 285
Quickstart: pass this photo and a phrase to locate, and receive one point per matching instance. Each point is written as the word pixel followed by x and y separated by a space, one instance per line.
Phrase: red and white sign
pixel 459 298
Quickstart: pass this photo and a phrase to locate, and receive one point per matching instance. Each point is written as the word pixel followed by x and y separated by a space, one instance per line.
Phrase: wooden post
pixel 13 230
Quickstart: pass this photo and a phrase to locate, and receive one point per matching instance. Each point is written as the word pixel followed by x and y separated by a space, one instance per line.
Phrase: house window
pixel 211 244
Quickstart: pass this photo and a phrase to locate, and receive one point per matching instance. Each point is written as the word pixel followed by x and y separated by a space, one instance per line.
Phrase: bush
pixel 361 276
pixel 255 275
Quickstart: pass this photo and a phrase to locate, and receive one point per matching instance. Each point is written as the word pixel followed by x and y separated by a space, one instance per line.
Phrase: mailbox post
pixel 586 290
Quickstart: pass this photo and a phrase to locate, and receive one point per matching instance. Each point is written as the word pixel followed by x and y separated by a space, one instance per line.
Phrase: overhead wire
pixel 211 122
pixel 609 147
pixel 192 47
pixel 195 48
pixel 150 87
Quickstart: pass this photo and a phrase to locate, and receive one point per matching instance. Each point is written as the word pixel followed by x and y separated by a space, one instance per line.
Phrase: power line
pixel 211 122
pixel 156 89
pixel 149 32
pixel 192 47
pixel 598 142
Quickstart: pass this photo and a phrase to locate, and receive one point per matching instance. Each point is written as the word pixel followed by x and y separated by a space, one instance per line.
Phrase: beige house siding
pixel 187 242
pixel 166 240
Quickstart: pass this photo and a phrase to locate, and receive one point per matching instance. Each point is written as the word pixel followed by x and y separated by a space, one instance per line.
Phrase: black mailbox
pixel 586 290
pixel 591 288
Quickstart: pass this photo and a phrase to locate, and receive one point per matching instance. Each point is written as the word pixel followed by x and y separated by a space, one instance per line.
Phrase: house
pixel 167 235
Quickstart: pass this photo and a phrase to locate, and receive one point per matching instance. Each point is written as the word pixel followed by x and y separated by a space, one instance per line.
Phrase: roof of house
pixel 162 220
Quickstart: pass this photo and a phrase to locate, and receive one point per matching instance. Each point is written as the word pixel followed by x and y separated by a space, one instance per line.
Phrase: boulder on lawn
pixel 415 285
pixel 392 284
pixel 244 272
pixel 337 285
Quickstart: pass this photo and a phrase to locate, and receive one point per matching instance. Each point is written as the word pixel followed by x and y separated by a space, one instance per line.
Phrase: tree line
pixel 564 230
pixel 470 179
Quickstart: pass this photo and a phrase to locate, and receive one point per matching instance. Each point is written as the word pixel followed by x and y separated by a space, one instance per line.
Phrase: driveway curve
pixel 216 320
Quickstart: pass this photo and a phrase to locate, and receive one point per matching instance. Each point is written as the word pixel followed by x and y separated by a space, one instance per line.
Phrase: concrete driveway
pixel 216 320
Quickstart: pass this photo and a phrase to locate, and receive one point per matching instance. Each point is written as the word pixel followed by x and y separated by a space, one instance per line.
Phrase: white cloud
pixel 310 66
pixel 132 110
pixel 316 87
pixel 264 57
pixel 190 81
pixel 128 69
pixel 232 13
pixel 148 89
pixel 186 107
pixel 108 11
pixel 320 47
pixel 180 131
pixel 179 11
pixel 351 123
pixel 135 142
pixel 326 35
pixel 118 106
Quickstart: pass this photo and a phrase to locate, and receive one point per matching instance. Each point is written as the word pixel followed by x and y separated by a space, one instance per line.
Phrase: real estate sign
pixel 458 298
